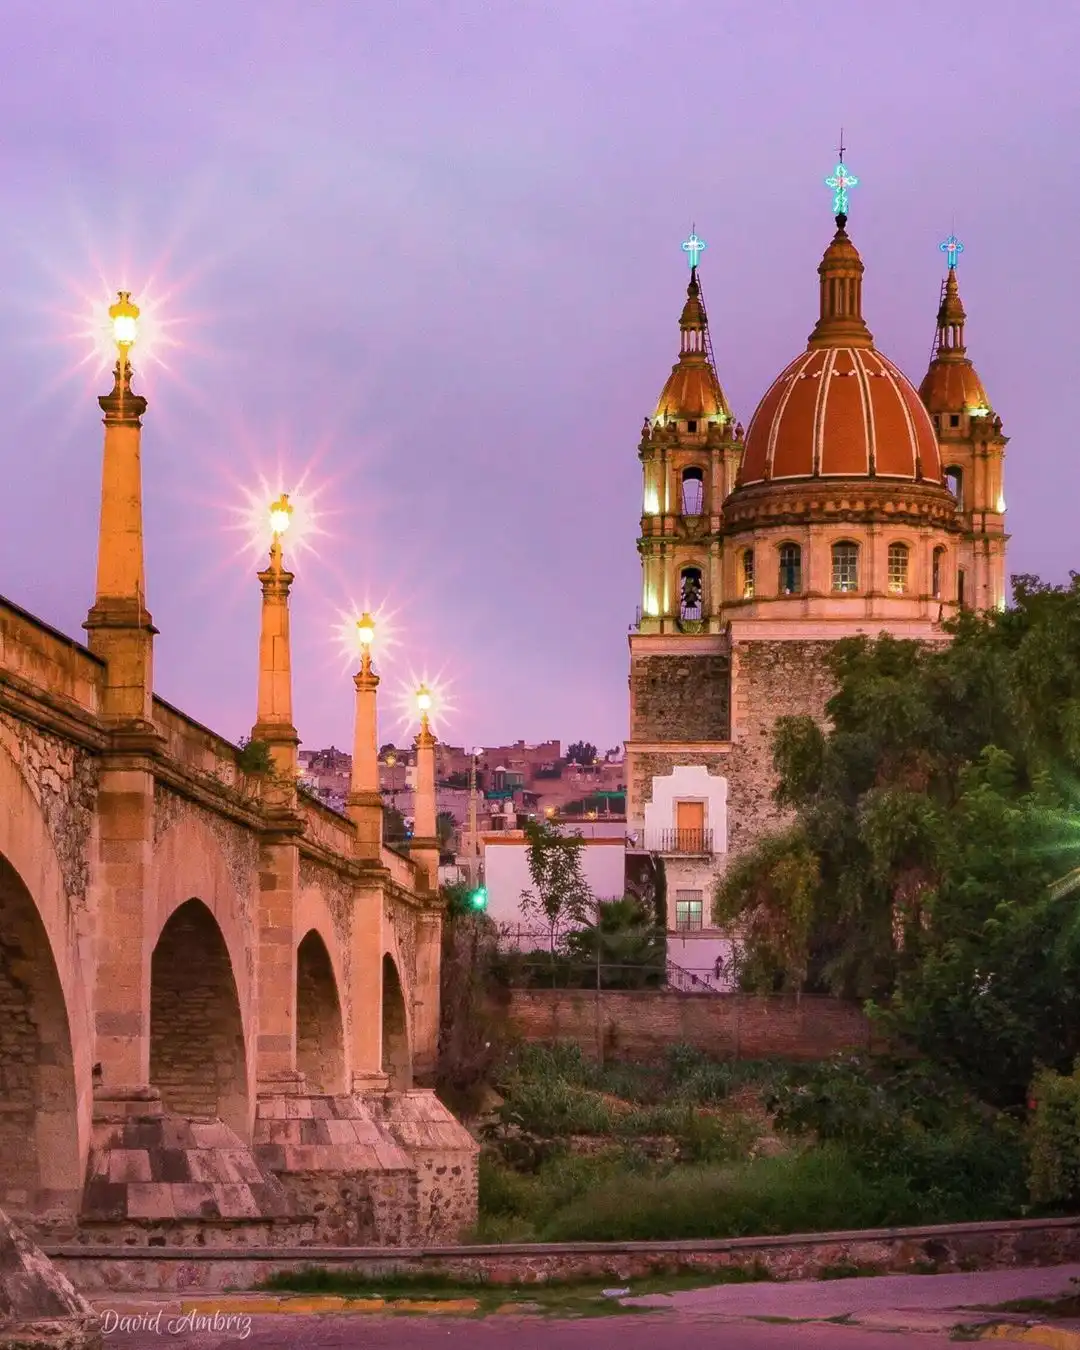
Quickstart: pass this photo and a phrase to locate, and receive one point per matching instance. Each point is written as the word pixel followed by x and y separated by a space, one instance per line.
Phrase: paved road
pixel 886 1313
pixel 671 1331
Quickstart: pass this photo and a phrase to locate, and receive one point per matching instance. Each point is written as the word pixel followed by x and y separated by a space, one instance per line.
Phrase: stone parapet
pixel 958 1247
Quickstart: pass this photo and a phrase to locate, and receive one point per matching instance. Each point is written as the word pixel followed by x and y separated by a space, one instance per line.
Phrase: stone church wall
pixel 680 698
pixel 770 680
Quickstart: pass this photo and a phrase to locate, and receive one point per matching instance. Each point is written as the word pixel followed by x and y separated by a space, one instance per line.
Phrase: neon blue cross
pixel 840 182
pixel 693 248
pixel 952 248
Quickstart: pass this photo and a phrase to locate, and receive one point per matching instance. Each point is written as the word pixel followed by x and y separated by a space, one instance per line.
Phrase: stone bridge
pixel 216 994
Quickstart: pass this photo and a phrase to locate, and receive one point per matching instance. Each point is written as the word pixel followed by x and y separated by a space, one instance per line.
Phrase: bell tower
pixel 690 452
pixel 972 453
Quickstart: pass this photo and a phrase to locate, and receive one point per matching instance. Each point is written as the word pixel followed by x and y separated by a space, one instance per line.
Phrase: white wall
pixel 506 875
pixel 688 783
pixel 698 955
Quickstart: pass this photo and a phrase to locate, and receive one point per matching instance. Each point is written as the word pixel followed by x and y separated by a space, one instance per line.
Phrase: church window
pixel 689 911
pixel 845 566
pixel 748 573
pixel 939 558
pixel 691 426
pixel 691 594
pixel 898 568
pixel 960 579
pixel 693 491
pixel 954 419
pixel 790 569
pixel 954 481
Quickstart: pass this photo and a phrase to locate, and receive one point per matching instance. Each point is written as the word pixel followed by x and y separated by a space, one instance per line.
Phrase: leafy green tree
pixel 581 752
pixel 632 951
pixel 930 819
pixel 559 895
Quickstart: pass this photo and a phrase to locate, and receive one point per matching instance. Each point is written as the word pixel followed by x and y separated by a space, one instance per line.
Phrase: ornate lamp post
pixel 274 721
pixel 365 799
pixel 425 843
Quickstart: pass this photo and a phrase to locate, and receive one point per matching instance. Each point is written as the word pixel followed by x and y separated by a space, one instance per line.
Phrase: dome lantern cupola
pixel 693 391
pixel 951 385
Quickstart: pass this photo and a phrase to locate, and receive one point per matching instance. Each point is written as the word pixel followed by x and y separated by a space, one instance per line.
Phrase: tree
pixel 632 951
pixel 581 752
pixel 560 893
pixel 394 831
pixel 930 819
pixel 445 829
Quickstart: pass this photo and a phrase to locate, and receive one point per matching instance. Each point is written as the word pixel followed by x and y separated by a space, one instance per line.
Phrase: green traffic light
pixel 478 899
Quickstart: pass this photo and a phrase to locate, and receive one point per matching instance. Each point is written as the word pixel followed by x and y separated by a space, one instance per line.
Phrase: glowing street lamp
pixel 125 322
pixel 423 703
pixel 364 633
pixel 280 515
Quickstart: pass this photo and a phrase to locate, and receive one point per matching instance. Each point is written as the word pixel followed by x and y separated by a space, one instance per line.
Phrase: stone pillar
pixel 365 800
pixel 121 633
pixel 279 885
pixel 120 629
pixel 426 995
pixel 366 981
pixel 425 842
pixel 279 859
pixel 274 722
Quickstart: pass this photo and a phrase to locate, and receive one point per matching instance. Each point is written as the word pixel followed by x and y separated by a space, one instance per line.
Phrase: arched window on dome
pixel 954 481
pixel 845 566
pixel 747 561
pixel 899 559
pixel 937 570
pixel 691 595
pixel 790 569
pixel 693 491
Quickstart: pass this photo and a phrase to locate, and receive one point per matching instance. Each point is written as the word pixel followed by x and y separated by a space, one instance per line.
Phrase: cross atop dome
pixel 952 248
pixel 694 248
pixel 840 181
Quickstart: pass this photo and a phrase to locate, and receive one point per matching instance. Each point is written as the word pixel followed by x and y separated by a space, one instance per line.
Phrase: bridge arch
pixel 396 1046
pixel 202 977
pixel 320 1028
pixel 46 1041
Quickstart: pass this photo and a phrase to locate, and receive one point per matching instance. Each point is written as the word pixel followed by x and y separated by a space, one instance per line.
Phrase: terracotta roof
pixel 841 411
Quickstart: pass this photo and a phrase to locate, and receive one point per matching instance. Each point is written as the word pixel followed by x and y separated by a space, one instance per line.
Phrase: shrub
pixel 818 1190
pixel 908 1122
pixel 1054 1139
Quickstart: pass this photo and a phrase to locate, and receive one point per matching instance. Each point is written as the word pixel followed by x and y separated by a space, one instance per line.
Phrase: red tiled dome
pixel 841 412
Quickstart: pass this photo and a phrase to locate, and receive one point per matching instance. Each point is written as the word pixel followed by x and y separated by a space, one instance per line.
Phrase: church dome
pixel 841 412
pixel 693 389
pixel 841 409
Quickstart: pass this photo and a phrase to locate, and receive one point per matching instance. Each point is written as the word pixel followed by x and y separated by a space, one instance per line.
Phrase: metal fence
pixel 534 957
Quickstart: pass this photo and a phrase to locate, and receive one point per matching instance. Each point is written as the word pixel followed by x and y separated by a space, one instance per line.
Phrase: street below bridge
pixel 878 1313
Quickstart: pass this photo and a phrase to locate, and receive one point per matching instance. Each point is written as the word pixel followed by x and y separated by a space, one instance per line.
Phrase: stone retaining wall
pixel 645 1023
pixel 973 1246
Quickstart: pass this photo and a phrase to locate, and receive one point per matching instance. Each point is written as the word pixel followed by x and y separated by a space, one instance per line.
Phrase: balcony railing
pixel 693 842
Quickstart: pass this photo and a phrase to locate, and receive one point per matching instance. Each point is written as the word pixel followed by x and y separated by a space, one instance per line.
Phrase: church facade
pixel 854 503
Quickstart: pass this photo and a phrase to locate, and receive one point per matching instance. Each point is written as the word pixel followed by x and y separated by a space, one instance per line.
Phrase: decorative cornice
pixel 824 501
pixel 120 406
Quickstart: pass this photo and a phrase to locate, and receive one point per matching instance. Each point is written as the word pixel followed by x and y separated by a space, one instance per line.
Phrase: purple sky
pixel 431 247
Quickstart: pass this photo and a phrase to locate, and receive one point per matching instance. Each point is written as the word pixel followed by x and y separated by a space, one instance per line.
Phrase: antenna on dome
pixel 840 181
